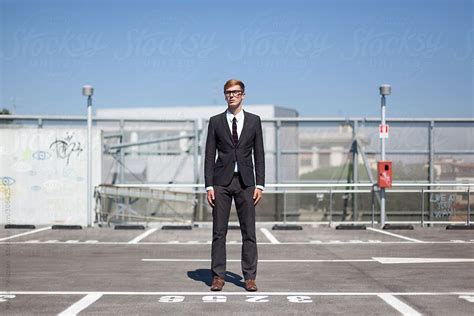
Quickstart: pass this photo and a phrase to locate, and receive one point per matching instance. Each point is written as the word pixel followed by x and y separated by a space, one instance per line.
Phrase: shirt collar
pixel 239 115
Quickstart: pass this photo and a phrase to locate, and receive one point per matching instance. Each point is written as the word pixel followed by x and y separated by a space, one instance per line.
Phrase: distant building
pixel 453 170
pixel 326 148
pixel 192 112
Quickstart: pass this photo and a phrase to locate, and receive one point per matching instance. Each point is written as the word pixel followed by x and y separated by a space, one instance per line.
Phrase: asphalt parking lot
pixel 317 270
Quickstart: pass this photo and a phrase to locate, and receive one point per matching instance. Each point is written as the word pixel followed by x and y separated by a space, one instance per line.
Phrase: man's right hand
pixel 211 197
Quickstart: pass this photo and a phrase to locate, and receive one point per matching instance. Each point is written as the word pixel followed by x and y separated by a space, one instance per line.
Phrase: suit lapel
pixel 226 127
pixel 244 128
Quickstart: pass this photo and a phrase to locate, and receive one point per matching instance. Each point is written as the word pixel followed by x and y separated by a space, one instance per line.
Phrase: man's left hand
pixel 257 196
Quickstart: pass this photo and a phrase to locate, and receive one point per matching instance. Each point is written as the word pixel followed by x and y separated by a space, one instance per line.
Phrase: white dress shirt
pixel 240 117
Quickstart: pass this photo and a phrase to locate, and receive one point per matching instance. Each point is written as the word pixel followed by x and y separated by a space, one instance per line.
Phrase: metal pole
pixel 278 165
pixel 195 152
pixel 355 170
pixel 330 207
pixel 278 151
pixel 385 89
pixel 373 204
pixel 422 207
pixel 88 91
pixel 284 207
pixel 431 177
pixel 201 199
pixel 382 150
pixel 195 165
pixel 468 205
pixel 89 160
pixel 122 154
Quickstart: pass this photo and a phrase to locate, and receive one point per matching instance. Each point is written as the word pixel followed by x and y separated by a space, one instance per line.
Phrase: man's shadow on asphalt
pixel 205 275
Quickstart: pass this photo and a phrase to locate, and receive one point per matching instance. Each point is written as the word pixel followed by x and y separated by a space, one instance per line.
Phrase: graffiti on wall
pixel 443 204
pixel 66 147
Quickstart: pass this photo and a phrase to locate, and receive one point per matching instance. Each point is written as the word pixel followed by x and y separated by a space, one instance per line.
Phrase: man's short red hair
pixel 234 82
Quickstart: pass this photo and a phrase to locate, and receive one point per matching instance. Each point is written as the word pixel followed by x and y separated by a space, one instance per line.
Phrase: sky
pixel 322 58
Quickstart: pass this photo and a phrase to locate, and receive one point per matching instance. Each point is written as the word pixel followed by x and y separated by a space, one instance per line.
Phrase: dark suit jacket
pixel 220 171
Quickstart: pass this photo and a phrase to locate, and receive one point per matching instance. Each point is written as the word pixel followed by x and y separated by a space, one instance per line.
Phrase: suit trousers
pixel 243 198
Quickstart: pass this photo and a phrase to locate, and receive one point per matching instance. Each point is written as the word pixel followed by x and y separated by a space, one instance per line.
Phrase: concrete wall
pixel 43 174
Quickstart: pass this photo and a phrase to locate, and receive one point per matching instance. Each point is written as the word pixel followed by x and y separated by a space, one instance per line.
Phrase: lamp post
pixel 88 91
pixel 385 89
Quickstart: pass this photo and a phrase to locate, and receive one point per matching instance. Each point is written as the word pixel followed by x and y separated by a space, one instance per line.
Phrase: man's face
pixel 234 96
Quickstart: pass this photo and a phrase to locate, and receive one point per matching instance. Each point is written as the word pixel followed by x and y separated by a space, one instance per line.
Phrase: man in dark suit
pixel 236 135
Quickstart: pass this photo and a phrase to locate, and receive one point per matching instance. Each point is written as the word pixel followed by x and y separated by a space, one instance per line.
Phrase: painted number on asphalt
pixel 257 299
pixel 299 299
pixel 223 299
pixel 5 298
pixel 469 298
pixel 171 299
pixel 214 299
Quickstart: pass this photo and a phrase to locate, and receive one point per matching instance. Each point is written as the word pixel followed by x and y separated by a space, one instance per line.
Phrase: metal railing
pixel 174 205
pixel 423 189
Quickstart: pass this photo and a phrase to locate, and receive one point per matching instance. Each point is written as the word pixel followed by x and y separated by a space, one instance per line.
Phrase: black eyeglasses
pixel 236 93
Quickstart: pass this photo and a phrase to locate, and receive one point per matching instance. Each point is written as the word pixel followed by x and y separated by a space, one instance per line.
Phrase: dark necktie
pixel 235 137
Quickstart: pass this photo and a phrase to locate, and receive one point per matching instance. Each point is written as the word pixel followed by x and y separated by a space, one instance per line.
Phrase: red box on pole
pixel 384 174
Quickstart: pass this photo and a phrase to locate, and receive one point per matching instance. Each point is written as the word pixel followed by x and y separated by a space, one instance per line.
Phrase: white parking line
pixel 82 304
pixel 264 260
pixel 399 305
pixel 185 243
pixel 398 260
pixel 382 260
pixel 26 233
pixel 269 236
pixel 142 236
pixel 236 293
pixel 394 235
